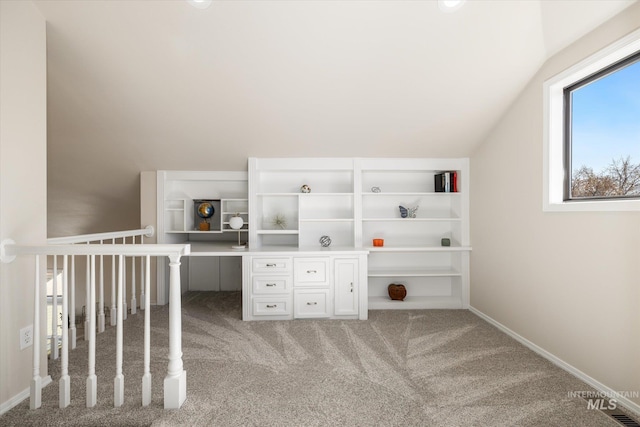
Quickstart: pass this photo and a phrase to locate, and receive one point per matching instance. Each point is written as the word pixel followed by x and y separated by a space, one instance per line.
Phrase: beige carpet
pixel 399 368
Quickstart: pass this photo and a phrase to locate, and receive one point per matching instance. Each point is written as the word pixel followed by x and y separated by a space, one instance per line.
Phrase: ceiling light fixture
pixel 449 6
pixel 200 4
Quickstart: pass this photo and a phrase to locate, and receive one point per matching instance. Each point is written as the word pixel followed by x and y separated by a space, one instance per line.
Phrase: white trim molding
pixel 553 140
pixel 621 399
pixel 20 397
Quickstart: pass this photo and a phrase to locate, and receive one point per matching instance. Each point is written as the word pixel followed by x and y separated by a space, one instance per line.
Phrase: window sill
pixel 593 206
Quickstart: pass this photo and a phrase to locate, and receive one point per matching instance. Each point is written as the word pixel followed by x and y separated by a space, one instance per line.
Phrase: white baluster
pixel 146 378
pixel 86 300
pixel 142 279
pixel 54 311
pixel 92 380
pixel 124 283
pixel 113 288
pixel 175 383
pixel 101 296
pixel 133 281
pixel 65 382
pixel 72 303
pixel 35 389
pixel 118 381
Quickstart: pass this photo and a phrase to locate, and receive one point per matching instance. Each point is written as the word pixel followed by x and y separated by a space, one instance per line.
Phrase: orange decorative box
pixel 378 242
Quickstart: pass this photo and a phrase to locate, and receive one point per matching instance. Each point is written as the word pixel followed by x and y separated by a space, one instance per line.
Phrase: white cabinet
pixel 267 288
pixel 305 285
pixel 311 272
pixel 346 286
pixel 311 303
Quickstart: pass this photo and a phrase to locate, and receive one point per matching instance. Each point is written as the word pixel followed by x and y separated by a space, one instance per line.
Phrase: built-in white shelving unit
pixel 177 191
pixel 328 209
pixel 435 276
pixel 353 201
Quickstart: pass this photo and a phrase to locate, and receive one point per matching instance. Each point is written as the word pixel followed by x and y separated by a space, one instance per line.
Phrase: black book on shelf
pixel 439 182
pixel 446 182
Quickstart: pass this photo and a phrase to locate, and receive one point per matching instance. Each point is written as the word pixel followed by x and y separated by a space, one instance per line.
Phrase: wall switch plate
pixel 26 337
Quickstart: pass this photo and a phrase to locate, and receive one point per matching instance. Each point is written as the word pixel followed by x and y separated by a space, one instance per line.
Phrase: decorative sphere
pixel 205 210
pixel 236 222
pixel 305 189
pixel 325 241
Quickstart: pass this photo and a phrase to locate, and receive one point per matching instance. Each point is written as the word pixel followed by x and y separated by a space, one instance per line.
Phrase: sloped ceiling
pixel 144 85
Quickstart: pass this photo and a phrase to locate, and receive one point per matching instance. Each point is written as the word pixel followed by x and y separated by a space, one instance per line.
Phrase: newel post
pixel 175 383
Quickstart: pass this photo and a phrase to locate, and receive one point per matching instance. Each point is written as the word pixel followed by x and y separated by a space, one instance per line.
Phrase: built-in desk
pixel 283 283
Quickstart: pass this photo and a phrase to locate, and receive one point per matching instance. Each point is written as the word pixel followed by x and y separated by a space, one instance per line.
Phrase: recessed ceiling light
pixel 450 5
pixel 200 4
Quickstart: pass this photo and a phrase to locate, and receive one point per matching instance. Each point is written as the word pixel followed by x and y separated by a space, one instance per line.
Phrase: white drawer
pixel 311 271
pixel 310 303
pixel 271 265
pixel 272 306
pixel 271 285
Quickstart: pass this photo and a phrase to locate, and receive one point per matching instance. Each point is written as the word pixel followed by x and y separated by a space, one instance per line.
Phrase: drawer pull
pixel 312 271
pixel 272 305
pixel 312 303
pixel 270 285
pixel 271 265
pixel 351 286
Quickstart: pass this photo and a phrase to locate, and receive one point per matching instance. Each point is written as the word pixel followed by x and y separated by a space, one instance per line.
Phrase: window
pixel 592 132
pixel 602 133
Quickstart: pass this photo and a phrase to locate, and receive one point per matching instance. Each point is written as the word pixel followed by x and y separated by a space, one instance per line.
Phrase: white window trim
pixel 553 141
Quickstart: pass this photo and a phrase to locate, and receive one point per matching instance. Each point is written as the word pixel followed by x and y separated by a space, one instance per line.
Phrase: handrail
pixel 11 249
pixel 148 231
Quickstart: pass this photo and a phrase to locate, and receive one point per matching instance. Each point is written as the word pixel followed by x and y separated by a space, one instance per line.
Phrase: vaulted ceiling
pixel 142 85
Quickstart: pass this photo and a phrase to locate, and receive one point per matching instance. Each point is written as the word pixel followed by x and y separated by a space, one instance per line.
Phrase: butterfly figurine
pixel 408 212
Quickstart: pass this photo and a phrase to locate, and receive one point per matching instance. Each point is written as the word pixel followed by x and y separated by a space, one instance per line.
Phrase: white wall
pixel 23 185
pixel 568 282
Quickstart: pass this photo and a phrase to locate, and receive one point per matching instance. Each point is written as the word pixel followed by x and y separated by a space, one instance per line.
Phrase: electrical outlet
pixel 26 337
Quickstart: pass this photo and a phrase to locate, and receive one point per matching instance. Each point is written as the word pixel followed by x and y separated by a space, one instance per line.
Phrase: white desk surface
pixel 225 249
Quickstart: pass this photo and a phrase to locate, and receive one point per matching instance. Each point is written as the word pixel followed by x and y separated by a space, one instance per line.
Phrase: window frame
pixel 568 125
pixel 555 152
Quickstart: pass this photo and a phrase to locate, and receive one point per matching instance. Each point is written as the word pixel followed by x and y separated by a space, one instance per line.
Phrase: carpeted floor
pixel 399 368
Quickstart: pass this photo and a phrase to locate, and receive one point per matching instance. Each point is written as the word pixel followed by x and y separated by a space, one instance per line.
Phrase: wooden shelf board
pixel 392 193
pixel 193 232
pixel 418 248
pixel 276 232
pixel 414 303
pixel 444 272
pixel 327 220
pixel 413 219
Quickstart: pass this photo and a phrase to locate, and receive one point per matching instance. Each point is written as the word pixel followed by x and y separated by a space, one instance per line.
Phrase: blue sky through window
pixel 606 120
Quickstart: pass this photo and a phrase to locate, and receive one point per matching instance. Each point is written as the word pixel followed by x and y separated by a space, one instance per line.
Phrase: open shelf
pixel 417 272
pixel 415 303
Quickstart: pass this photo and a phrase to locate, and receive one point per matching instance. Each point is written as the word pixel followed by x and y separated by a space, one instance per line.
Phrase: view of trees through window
pixel 605 133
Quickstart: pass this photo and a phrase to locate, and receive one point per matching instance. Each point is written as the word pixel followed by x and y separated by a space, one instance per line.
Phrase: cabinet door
pixel 346 287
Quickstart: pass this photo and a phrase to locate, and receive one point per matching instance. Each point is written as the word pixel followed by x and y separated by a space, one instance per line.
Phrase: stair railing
pixel 68 249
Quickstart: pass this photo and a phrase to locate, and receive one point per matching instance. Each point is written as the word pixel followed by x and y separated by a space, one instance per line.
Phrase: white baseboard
pixel 18 398
pixel 623 401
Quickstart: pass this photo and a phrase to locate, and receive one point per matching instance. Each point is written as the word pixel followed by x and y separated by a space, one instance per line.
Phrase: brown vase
pixel 397 292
